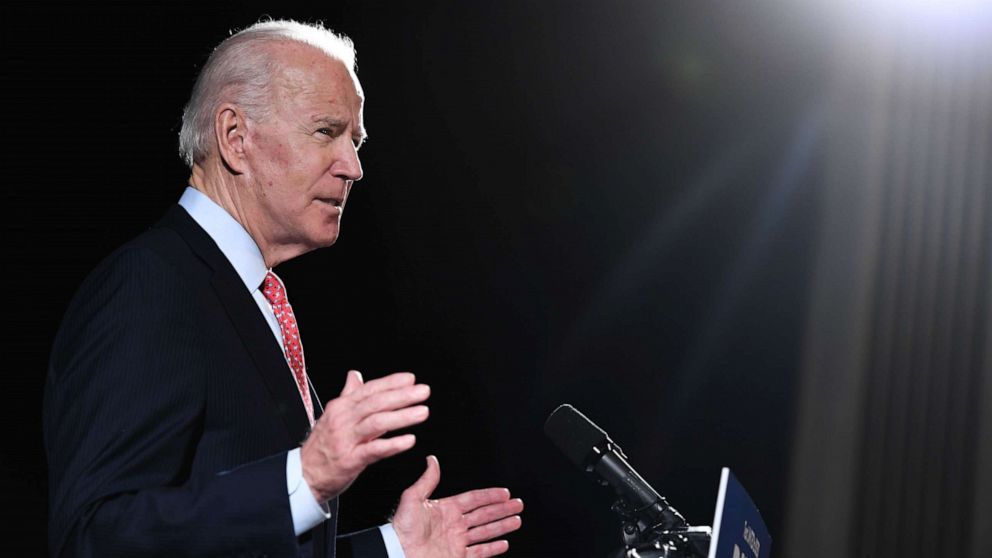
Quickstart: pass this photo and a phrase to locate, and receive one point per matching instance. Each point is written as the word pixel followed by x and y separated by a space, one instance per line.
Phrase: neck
pixel 231 193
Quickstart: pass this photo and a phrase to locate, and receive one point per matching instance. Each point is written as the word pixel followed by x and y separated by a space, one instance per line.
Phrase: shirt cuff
pixel 393 548
pixel 307 512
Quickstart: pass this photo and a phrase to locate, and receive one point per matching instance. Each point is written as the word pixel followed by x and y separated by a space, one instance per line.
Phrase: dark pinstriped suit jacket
pixel 169 409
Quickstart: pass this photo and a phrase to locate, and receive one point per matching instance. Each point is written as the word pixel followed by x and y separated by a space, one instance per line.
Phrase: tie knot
pixel 273 289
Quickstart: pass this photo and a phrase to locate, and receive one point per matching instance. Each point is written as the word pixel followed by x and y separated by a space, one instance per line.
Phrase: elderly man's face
pixel 303 157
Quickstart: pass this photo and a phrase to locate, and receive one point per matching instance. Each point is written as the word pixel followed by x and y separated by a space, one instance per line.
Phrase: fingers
pixel 367 410
pixel 494 529
pixel 390 399
pixel 488 549
pixel 474 499
pixel 390 409
pixel 425 485
pixel 378 424
pixel 352 382
pixel 347 437
pixel 492 512
pixel 382 448
pixel 393 381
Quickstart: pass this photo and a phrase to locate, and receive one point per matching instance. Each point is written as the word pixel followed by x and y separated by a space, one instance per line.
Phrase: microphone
pixel 591 449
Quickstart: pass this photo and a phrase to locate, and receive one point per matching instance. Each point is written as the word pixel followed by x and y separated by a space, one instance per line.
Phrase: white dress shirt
pixel 239 248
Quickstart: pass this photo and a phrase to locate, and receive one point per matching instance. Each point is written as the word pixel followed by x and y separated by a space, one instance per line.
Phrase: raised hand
pixel 348 436
pixel 459 526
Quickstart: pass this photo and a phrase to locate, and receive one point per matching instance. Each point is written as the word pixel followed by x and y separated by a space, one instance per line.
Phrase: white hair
pixel 241 71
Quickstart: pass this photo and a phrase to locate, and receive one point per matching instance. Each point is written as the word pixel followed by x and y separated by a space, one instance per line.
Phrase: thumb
pixel 352 382
pixel 428 481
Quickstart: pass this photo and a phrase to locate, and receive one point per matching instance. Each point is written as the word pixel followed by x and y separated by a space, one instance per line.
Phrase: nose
pixel 349 166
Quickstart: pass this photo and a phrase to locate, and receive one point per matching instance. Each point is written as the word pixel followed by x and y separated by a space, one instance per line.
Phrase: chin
pixel 325 240
pixel 321 234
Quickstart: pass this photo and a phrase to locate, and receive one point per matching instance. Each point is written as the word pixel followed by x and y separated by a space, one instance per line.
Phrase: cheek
pixel 275 159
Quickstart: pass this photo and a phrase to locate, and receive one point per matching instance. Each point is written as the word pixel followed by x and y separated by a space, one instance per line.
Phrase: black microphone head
pixel 574 434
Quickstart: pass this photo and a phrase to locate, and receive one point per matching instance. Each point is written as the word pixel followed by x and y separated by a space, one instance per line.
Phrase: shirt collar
pixel 232 239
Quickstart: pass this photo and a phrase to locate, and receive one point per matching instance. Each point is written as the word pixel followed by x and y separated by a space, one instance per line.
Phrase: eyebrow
pixel 338 123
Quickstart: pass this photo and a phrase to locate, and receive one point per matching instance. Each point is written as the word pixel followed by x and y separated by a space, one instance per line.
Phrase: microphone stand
pixel 651 528
pixel 655 530
pixel 644 538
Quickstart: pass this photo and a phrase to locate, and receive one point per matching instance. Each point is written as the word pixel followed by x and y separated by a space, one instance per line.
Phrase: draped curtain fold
pixel 893 447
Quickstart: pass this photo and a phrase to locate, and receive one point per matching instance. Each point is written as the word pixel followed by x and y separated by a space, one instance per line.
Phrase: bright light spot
pixel 945 20
pixel 930 8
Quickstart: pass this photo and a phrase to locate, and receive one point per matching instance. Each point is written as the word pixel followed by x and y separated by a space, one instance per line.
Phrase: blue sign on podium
pixel 738 531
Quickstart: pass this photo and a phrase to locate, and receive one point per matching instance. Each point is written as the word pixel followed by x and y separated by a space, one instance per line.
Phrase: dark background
pixel 611 204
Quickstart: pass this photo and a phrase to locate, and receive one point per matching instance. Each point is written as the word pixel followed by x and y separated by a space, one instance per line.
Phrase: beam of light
pixel 638 266
pixel 790 178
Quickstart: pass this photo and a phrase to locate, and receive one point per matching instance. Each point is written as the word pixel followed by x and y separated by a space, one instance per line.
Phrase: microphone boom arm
pixel 652 528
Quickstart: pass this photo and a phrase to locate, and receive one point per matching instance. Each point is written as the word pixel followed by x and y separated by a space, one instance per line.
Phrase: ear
pixel 230 130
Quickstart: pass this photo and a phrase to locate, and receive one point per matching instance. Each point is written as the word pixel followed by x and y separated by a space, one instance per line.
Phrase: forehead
pixel 309 75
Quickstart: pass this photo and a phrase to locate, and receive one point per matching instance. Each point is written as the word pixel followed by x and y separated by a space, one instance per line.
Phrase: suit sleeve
pixel 123 414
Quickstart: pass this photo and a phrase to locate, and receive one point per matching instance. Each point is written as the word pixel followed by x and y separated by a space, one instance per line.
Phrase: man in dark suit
pixel 177 393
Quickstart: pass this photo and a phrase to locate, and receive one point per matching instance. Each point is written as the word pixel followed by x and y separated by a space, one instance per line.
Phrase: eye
pixel 326 131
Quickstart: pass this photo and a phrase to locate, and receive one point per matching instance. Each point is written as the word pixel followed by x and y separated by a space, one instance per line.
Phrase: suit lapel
pixel 255 334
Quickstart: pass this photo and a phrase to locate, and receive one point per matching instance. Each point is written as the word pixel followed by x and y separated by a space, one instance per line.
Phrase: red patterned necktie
pixel 275 293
